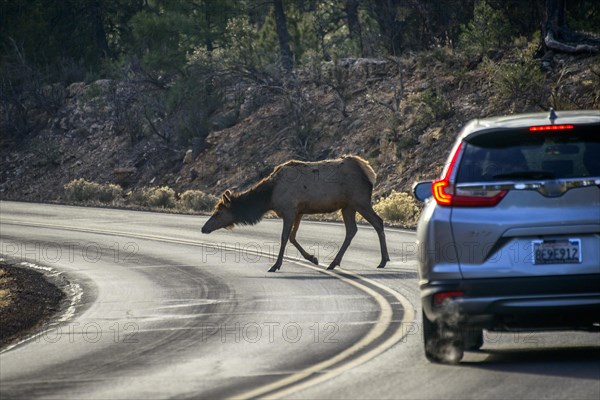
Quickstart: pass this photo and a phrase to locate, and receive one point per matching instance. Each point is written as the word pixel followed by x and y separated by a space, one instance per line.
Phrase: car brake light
pixel 438 189
pixel 440 298
pixel 550 128
pixel 445 194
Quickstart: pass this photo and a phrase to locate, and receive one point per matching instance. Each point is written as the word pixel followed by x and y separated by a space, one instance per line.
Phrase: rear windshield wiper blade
pixel 526 175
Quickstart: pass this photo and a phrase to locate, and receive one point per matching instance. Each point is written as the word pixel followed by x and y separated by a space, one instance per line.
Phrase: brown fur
pixel 296 188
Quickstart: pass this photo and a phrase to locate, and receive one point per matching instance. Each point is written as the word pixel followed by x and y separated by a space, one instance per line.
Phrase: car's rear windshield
pixel 524 155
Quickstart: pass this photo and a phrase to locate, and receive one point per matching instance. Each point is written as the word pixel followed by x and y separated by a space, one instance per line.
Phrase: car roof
pixel 582 117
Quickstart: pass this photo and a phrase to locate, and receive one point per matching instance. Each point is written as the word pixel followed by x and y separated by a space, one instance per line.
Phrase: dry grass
pixel 5 283
pixel 400 208
pixel 83 191
pixel 159 197
pixel 197 200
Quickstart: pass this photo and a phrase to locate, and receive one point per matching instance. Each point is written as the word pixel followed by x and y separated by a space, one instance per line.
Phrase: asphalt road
pixel 159 310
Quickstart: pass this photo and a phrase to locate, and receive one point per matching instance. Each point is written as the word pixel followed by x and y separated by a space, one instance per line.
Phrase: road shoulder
pixel 27 302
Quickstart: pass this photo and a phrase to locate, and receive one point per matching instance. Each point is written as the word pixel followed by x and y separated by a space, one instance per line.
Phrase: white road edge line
pixel 278 387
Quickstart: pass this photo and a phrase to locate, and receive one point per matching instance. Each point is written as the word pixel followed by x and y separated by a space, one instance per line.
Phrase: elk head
pixel 222 216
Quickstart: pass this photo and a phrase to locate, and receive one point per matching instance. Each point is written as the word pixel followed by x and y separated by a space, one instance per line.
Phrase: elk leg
pixel 285 234
pixel 293 240
pixel 349 216
pixel 374 219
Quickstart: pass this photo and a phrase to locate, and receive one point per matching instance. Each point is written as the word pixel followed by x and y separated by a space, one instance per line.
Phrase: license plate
pixel 557 251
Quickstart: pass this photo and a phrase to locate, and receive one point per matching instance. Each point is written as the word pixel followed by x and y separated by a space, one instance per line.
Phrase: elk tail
pixel 365 167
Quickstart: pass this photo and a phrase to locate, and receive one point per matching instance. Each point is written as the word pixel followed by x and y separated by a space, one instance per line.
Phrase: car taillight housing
pixel 446 193
pixel 440 298
pixel 546 128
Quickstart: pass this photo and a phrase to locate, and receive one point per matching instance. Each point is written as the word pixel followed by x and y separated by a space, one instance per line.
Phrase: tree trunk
pixel 557 35
pixel 282 33
pixel 555 15
pixel 208 40
pixel 98 28
pixel 390 28
pixel 354 27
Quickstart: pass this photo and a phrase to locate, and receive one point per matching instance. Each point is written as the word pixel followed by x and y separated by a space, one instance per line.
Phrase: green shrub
pixel 436 104
pixel 518 78
pixel 398 207
pixel 489 29
pixel 163 197
pixel 197 200
pixel 406 141
pixel 437 55
pixel 109 192
pixel 47 150
pixel 81 190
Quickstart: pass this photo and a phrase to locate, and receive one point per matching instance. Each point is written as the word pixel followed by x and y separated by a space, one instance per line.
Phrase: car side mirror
pixel 422 190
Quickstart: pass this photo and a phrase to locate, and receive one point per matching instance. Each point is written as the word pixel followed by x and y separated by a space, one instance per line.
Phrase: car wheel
pixel 472 339
pixel 442 345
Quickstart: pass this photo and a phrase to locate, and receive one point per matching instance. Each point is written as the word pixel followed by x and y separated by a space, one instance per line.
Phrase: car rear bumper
pixel 552 302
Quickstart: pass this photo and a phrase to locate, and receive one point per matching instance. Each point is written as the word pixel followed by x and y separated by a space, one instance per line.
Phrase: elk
pixel 296 188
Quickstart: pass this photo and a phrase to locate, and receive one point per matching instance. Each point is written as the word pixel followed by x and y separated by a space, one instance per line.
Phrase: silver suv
pixel 509 238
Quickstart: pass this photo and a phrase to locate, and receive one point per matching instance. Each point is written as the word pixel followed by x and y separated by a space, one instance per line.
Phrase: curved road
pixel 159 310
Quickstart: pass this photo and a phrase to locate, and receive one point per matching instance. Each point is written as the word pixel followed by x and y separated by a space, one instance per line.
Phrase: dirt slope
pixel 402 115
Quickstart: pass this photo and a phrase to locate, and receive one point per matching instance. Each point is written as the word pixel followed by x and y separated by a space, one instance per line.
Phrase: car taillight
pixel 550 128
pixel 442 192
pixel 446 194
pixel 440 298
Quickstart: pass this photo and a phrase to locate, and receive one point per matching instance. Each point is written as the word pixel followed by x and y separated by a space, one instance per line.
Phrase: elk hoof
pixel 332 266
pixel 274 268
pixel 384 261
pixel 313 260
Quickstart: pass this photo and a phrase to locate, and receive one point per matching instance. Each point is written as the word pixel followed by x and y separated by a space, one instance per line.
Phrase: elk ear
pixel 227 198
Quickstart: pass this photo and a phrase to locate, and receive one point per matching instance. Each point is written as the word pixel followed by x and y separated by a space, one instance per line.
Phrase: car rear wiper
pixel 526 175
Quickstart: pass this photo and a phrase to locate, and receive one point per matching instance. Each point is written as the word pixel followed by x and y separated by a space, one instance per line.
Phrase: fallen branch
pixel 554 44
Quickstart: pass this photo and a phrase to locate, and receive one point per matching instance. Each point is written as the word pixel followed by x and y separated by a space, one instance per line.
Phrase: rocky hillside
pixel 400 114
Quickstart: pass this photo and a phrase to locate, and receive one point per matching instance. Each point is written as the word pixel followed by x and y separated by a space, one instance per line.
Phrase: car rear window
pixel 523 155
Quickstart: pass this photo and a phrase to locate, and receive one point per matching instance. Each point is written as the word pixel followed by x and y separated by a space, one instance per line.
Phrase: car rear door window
pixel 520 155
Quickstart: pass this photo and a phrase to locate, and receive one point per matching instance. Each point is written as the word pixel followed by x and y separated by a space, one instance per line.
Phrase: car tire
pixel 472 338
pixel 442 345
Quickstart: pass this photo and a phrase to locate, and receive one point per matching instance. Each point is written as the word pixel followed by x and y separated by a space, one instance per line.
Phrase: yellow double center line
pixel 323 370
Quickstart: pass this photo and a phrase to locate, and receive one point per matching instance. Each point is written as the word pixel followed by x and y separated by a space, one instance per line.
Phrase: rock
pixel 188 158
pixel 224 120
pixel 103 85
pixel 355 125
pixel 198 146
pixel 76 89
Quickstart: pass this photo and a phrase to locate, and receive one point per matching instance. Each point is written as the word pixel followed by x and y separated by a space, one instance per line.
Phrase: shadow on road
pixel 390 274
pixel 574 362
